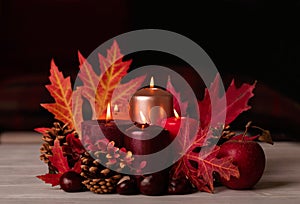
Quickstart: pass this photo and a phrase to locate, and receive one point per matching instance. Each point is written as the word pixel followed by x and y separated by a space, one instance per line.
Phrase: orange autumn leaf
pixel 106 88
pixel 90 81
pixel 77 102
pixel 113 70
pixel 61 91
pixel 123 92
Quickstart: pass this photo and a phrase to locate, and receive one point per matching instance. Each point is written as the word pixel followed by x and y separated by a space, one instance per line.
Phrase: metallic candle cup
pixel 155 104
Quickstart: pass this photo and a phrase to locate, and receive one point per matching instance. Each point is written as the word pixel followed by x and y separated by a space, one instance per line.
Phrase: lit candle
pixel 155 103
pixel 176 126
pixel 120 114
pixel 143 138
pixel 97 129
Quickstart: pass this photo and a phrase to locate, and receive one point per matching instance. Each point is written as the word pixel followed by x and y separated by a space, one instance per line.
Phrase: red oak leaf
pixel 200 166
pixel 200 160
pixel 236 102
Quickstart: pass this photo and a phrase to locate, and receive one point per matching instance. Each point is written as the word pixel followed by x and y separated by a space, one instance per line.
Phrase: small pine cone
pixel 56 132
pixel 98 178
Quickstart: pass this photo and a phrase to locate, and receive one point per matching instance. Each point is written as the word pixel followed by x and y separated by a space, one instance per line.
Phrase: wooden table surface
pixel 19 164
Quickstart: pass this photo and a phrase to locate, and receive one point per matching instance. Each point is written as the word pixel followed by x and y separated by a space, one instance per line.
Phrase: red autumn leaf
pixel 42 130
pixel 60 163
pixel 77 167
pixel 207 163
pixel 179 106
pixel 58 160
pixel 61 90
pixel 75 144
pixel 236 102
pixel 52 179
pixel 200 166
pixel 200 161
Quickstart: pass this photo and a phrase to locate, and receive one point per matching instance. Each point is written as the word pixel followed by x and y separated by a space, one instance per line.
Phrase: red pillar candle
pixel 176 126
pixel 144 139
pixel 105 128
pixel 173 124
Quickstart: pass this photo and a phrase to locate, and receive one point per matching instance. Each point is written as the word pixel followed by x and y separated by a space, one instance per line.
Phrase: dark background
pixel 246 39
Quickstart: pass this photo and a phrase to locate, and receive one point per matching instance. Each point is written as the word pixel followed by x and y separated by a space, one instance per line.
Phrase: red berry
pixel 71 181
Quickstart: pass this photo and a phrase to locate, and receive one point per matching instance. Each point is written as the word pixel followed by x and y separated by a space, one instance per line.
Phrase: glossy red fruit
pixel 71 181
pixel 127 186
pixel 154 184
pixel 250 159
pixel 180 186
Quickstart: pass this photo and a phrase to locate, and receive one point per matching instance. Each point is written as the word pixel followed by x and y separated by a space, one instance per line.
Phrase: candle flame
pixel 108 113
pixel 143 118
pixel 116 108
pixel 176 114
pixel 152 82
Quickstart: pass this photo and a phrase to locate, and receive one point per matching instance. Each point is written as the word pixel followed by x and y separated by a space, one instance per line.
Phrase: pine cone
pixel 56 132
pixel 98 178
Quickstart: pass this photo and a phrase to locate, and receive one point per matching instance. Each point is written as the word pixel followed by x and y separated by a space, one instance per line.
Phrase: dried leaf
pixel 61 90
pixel 265 135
